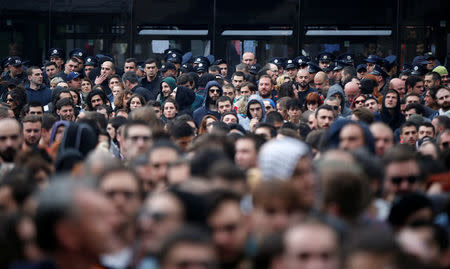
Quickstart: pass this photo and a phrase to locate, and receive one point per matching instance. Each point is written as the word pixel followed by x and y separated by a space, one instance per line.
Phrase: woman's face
pixel 170 111
pixel 165 88
pixel 229 119
pixel 113 82
pixel 74 97
pixel 209 122
pixel 10 102
pixel 312 105
pixel 116 90
pixel 59 133
pixel 125 99
pixel 111 131
pixel 135 103
pixel 173 94
pixel 359 102
pixel 86 86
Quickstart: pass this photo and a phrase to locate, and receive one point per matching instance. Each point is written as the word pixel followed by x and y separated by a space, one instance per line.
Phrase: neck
pixel 26 147
pixel 151 78
pixel 34 86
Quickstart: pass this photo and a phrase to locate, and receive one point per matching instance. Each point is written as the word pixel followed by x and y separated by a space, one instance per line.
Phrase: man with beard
pixel 303 85
pixel 31 129
pixel 443 100
pixel 65 109
pixel 213 91
pixel 10 140
pixel 390 110
pixel 265 88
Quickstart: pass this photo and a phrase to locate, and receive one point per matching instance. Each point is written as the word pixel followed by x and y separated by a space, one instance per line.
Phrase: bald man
pixel 321 81
pixel 398 85
pixel 351 90
pixel 384 137
pixel 248 58
pixel 10 140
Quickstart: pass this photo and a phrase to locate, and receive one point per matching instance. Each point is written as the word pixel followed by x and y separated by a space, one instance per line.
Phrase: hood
pixel 336 127
pixel 184 98
pixel 207 101
pixel 169 80
pixel 396 119
pixel 336 88
pixel 256 98
pixel 55 127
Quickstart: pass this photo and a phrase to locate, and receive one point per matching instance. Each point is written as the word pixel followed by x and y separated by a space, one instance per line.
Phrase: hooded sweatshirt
pixel 172 84
pixel 336 88
pixel 204 110
pixel 335 130
pixel 184 98
pixel 397 118
pixel 245 121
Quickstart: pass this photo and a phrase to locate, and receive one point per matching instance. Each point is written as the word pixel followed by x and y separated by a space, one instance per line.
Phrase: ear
pixel 57 112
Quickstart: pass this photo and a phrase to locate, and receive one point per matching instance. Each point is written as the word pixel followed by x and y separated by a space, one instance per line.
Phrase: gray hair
pixel 131 77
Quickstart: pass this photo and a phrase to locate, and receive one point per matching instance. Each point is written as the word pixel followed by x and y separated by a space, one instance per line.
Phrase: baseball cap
pixel 72 75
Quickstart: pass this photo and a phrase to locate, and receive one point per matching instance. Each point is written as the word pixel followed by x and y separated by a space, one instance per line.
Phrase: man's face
pixel 324 118
pixel 425 131
pixel 245 91
pixel 384 139
pixel 36 78
pixel 265 87
pixel 255 110
pixel 229 119
pixel 409 135
pixel 157 111
pixel 190 255
pixel 263 131
pixel 122 190
pixel 418 88
pixel 10 140
pixel 184 142
pixel 138 141
pixel 229 92
pixel 246 155
pixel 75 83
pixel 351 137
pixel 412 99
pixel 444 79
pixel 443 98
pixel 70 66
pixel 229 231
pixel 96 100
pixel 372 105
pixel 160 159
pixel 444 141
pixel 66 113
pixel 390 100
pixel 248 58
pixel 151 70
pixel 335 105
pixel 36 110
pixel 429 82
pixel 303 78
pixel 410 112
pixel 292 72
pixel 32 133
pixel 311 247
pixel 323 64
pixel 107 69
pixel 51 71
pixel 59 61
pixel 129 67
pixel 88 69
pixel 319 82
pixel 351 93
pixel 223 69
pixel 223 107
pixel 237 81
pixel 214 93
pixel 401 178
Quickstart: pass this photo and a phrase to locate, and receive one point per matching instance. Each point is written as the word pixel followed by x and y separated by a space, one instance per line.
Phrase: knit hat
pixel 279 157
pixel 441 70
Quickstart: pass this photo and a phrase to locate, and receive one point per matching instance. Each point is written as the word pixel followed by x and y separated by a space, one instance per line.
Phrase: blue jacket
pixel 43 95
pixel 204 110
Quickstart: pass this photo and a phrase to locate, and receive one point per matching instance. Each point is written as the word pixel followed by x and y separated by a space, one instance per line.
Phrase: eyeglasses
pixel 399 180
pixel 215 90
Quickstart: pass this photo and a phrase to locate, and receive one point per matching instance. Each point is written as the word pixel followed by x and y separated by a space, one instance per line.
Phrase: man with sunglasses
pixel 402 174
pixel 213 91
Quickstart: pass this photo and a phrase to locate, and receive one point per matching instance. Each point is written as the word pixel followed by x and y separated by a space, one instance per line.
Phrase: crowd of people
pixel 181 163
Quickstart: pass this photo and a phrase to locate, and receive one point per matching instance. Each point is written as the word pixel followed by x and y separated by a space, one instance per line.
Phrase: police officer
pixel 325 59
pixel 90 63
pixel 57 56
pixel 15 74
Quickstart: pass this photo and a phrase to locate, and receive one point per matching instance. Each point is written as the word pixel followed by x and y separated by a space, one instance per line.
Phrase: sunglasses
pixel 10 100
pixel 213 90
pixel 399 180
pixel 360 101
